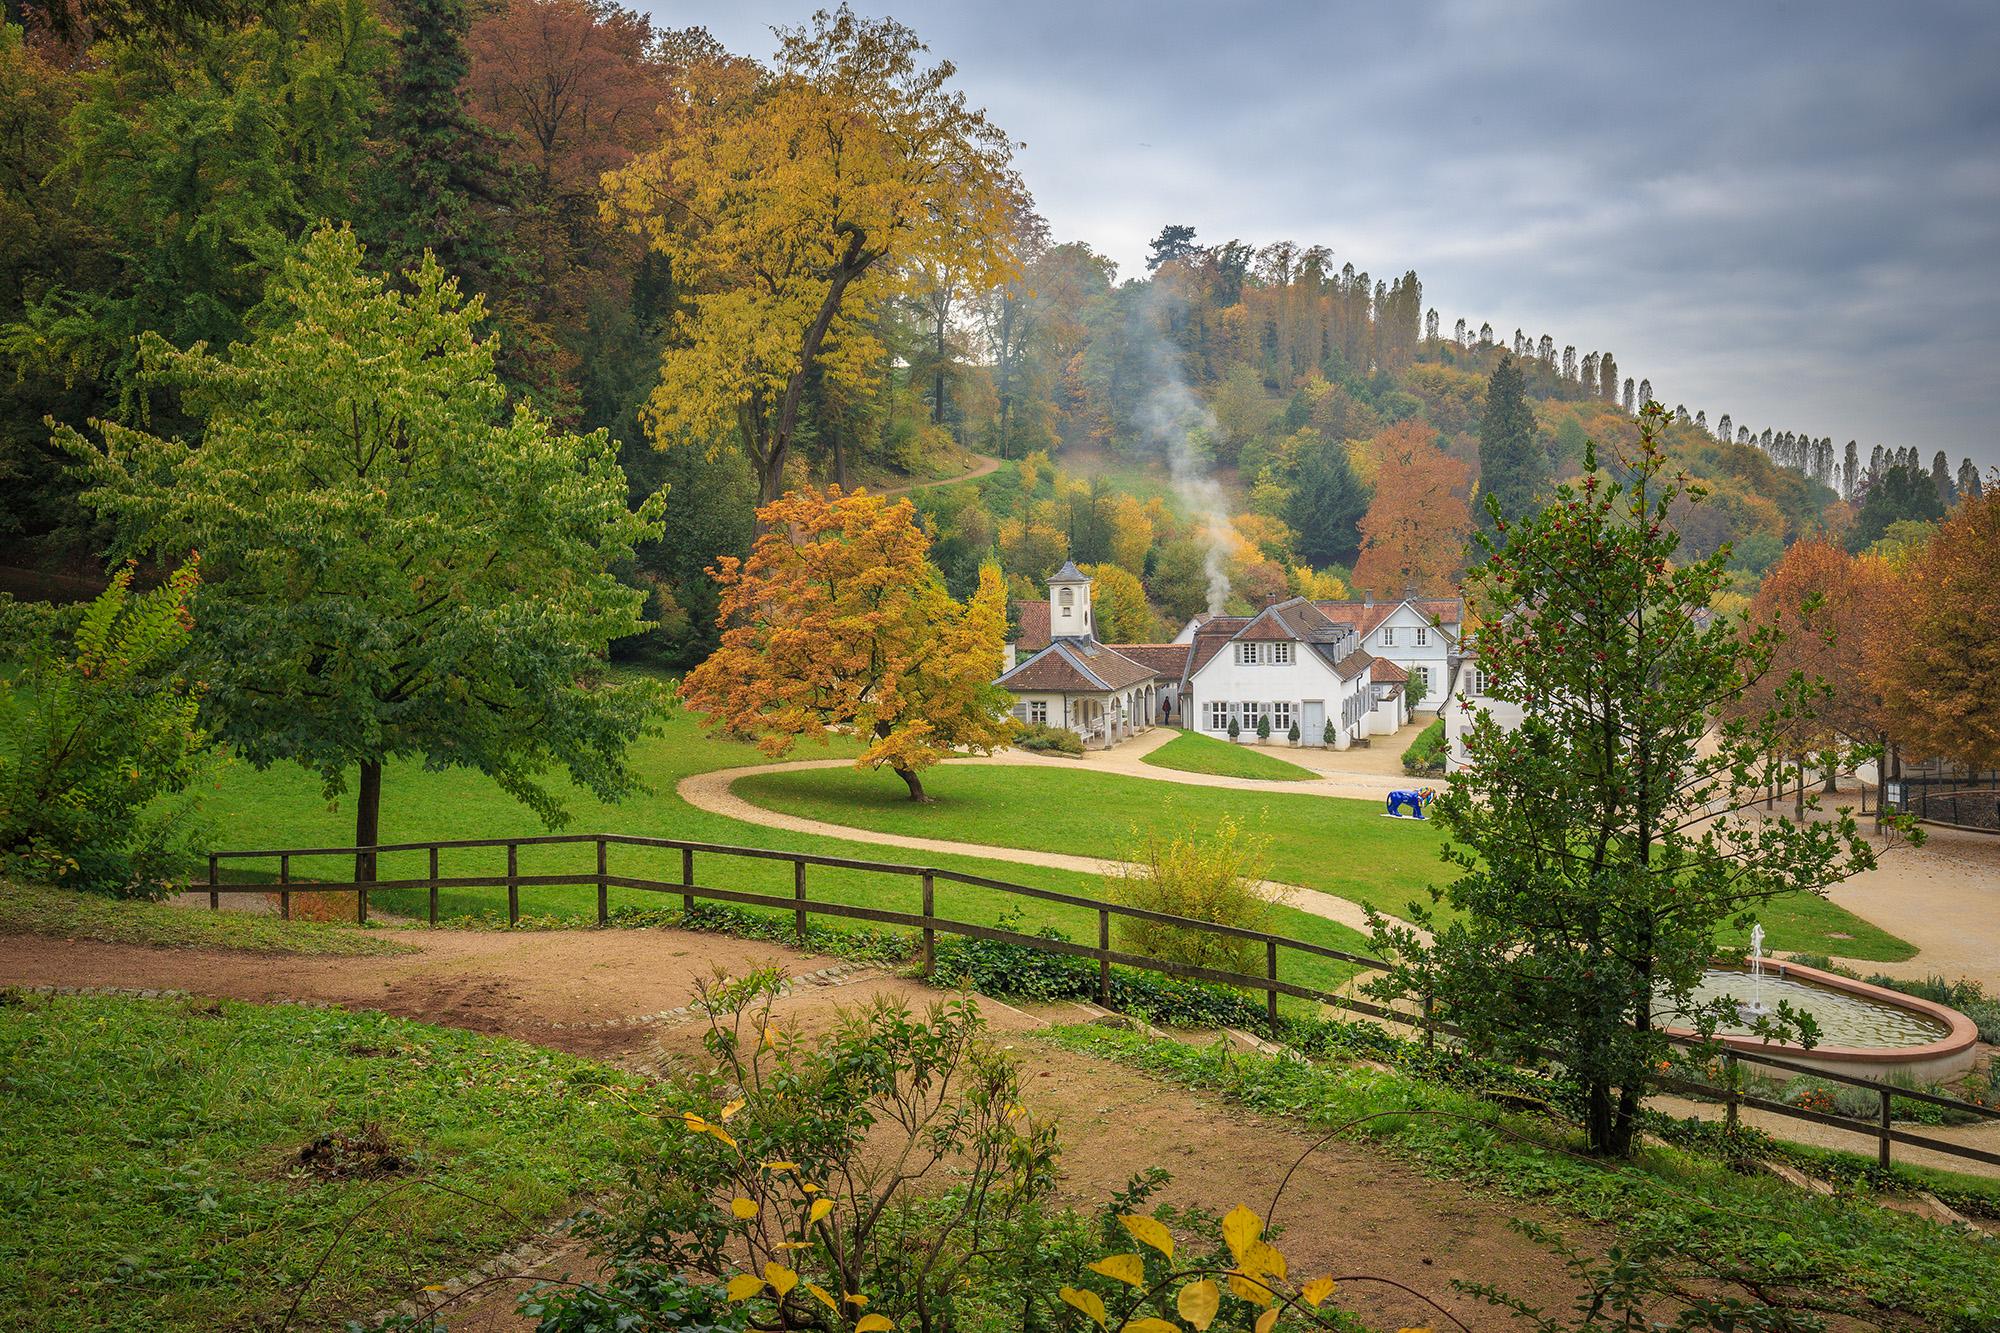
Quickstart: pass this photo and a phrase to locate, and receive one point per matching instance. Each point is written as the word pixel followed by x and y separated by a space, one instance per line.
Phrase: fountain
pixel 1756 1009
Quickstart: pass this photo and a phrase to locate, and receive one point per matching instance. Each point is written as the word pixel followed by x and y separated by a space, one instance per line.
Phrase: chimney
pixel 1368 597
pixel 1409 592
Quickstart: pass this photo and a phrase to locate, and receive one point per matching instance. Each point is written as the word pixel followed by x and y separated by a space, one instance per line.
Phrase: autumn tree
pixel 1939 672
pixel 394 564
pixel 1416 527
pixel 1119 607
pixel 795 203
pixel 838 621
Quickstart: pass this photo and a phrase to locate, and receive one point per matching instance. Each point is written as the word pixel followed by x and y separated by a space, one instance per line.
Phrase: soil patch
pixel 364 1154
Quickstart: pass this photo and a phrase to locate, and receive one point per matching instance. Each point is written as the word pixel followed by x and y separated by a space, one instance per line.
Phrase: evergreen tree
pixel 1511 462
pixel 1607 377
pixel 1724 430
pixel 1947 493
pixel 1968 479
pixel 1900 491
pixel 1629 396
pixel 1850 470
pixel 1326 504
pixel 442 183
pixel 1645 392
pixel 1175 242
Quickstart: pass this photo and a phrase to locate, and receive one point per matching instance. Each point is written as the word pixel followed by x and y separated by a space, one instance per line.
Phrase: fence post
pixel 513 884
pixel 1430 1032
pixel 214 869
pixel 285 894
pixel 1882 1156
pixel 1271 994
pixel 687 879
pixel 1104 956
pixel 930 932
pixel 1734 1097
pixel 434 886
pixel 361 891
pixel 603 888
pixel 799 896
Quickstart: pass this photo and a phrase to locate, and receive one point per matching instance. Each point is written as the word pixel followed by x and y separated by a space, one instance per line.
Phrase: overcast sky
pixel 1789 212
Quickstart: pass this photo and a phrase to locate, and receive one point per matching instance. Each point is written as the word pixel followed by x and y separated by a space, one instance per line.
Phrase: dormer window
pixel 1281 654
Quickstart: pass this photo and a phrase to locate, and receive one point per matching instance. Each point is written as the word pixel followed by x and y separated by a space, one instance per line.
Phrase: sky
pixel 1789 212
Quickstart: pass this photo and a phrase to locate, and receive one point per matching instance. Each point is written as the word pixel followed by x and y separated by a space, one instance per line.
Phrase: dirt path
pixel 1943 897
pixel 1348 1210
pixel 986 467
pixel 714 792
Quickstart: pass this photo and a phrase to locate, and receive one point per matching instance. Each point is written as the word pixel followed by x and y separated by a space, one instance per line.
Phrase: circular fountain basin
pixel 1865 1031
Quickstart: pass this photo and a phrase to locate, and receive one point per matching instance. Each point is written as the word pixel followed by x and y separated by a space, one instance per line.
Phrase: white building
pixel 1291 664
pixel 1061 676
pixel 1465 696
pixel 1419 634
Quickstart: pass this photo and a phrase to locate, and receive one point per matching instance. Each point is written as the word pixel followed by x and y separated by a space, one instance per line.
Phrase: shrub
pixel 1326 734
pixel 1293 734
pixel 1044 739
pixel 1425 757
pixel 1219 879
pixel 1263 726
pixel 102 737
pixel 1235 729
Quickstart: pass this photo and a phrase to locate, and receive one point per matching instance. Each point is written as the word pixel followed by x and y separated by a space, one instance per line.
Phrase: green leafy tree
pixel 398 567
pixel 1326 503
pixel 100 741
pixel 1605 841
pixel 1512 466
pixel 1897 494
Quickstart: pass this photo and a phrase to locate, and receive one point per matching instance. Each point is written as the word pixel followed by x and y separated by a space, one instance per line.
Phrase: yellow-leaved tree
pixel 790 204
pixel 838 620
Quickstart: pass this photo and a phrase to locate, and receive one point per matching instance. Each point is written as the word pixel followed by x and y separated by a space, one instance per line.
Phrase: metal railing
pixel 929 925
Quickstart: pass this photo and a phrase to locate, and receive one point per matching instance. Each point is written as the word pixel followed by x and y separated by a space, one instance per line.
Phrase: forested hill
pixel 1235 422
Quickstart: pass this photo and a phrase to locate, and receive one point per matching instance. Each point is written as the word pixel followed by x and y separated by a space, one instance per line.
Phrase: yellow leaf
pixel 1318 1290
pixel 856 1300
pixel 695 1122
pixel 743 1208
pixel 823 1296
pixel 1087 1301
pixel 1250 1289
pixel 1239 1228
pixel 873 1323
pixel 732 1108
pixel 1151 1325
pixel 716 1130
pixel 744 1285
pixel 781 1166
pixel 793 1245
pixel 820 1208
pixel 781 1278
pixel 1263 1260
pixel 1266 1320
pixel 810 1188
pixel 1127 1268
pixel 1150 1231
pixel 1198 1303
pixel 770 1037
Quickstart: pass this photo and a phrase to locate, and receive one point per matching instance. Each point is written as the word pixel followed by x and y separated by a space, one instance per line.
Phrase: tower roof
pixel 1069 573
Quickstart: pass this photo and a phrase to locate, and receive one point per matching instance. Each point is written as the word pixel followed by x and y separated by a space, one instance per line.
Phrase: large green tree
pixel 1903 492
pixel 396 565
pixel 1512 466
pixel 1326 503
pixel 1605 841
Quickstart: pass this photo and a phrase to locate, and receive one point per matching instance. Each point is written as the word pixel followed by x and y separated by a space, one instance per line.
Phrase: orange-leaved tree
pixel 838 621
pixel 1416 527
pixel 1940 674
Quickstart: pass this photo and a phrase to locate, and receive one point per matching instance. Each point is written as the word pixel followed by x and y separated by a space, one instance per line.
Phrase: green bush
pixel 1425 757
pixel 101 741
pixel 1043 739
pixel 1264 726
pixel 1218 878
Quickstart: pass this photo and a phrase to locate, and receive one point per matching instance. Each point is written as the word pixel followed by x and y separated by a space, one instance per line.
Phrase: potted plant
pixel 1235 729
pixel 1293 735
pixel 1263 728
pixel 1326 736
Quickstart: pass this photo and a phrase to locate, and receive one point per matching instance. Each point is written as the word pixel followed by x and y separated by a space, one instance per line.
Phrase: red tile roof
pixel 1084 666
pixel 1034 618
pixel 1448 612
pixel 1387 672
pixel 1166 659
pixel 1353 664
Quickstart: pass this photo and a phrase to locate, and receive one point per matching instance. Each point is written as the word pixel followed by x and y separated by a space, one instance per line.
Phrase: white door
pixel 1312 722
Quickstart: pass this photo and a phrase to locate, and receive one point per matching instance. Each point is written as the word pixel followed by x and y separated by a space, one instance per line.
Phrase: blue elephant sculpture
pixel 1418 801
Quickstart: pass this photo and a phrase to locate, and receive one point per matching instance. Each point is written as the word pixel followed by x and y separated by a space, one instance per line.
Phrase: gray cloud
pixel 1787 212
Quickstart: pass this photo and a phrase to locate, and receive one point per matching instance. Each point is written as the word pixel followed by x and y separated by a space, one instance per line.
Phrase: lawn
pixel 151 1176
pixel 66 914
pixel 282 807
pixel 1343 847
pixel 1192 752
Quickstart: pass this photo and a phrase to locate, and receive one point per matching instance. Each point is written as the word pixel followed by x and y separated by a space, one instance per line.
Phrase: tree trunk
pixel 840 462
pixel 1799 806
pixel 853 262
pixel 914 783
pixel 1832 772
pixel 367 821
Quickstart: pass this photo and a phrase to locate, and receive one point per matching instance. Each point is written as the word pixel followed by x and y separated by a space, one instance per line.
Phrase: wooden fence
pixel 928 924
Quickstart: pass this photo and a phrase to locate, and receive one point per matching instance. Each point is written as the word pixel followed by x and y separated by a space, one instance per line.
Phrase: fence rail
pixel 929 924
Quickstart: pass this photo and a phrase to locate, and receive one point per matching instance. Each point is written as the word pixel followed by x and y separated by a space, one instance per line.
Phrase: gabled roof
pixel 1448 613
pixel 1079 666
pixel 1354 664
pixel 1210 637
pixel 1034 617
pixel 1169 660
pixel 1386 672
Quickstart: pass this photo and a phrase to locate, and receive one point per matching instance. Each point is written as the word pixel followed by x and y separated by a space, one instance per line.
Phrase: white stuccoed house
pixel 1465 696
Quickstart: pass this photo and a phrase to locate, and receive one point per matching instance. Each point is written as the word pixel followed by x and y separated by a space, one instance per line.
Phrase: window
pixel 1476 681
pixel 1218 715
pixel 1281 717
pixel 1038 712
pixel 1246 653
pixel 1281 653
pixel 1066 599
pixel 1021 712
pixel 1388 636
pixel 1423 673
pixel 1423 636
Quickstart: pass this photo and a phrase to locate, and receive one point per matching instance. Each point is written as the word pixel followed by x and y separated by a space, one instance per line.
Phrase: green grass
pixel 282 807
pixel 149 1177
pixel 1192 752
pixel 65 914
pixel 1840 1248
pixel 1342 847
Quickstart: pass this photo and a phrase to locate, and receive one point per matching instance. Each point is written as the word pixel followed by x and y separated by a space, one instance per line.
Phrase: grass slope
pixel 1191 752
pixel 66 914
pixel 149 1176
pixel 283 807
pixel 1342 847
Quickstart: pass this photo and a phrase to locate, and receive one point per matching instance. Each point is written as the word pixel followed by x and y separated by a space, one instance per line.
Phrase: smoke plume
pixel 1179 427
